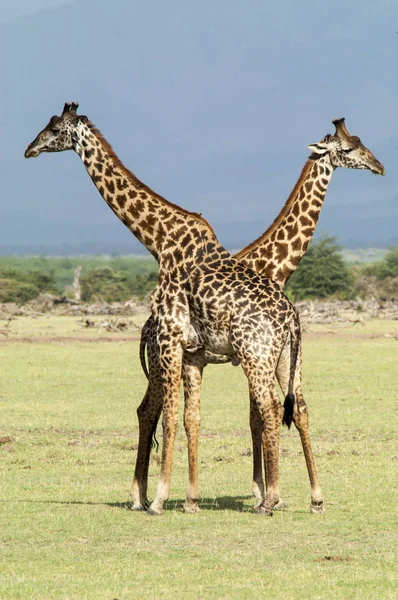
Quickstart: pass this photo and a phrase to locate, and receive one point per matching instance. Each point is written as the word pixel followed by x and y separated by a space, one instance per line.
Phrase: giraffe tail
pixel 295 342
pixel 143 344
pixel 153 439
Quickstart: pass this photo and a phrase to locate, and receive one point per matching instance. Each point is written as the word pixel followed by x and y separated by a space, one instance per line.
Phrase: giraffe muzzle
pixel 378 169
pixel 31 153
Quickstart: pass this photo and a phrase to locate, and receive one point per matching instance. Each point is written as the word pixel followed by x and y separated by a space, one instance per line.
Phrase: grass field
pixel 68 405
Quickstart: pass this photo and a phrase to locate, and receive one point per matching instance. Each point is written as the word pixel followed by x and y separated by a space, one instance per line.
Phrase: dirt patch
pixel 7 439
pixel 61 339
pixel 324 559
pixel 348 335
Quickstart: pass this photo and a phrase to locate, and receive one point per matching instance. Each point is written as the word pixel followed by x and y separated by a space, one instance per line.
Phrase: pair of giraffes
pixel 211 307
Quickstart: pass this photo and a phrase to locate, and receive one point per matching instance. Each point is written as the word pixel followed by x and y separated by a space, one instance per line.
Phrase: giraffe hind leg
pixel 258 450
pixel 170 376
pixel 300 419
pixel 148 416
pixel 295 410
pixel 281 504
pixel 192 377
pixel 260 373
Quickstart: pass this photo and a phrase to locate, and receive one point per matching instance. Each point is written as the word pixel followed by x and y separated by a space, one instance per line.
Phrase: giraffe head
pixel 58 135
pixel 345 150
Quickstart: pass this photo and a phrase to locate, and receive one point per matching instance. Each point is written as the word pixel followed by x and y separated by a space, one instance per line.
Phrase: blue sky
pixel 212 104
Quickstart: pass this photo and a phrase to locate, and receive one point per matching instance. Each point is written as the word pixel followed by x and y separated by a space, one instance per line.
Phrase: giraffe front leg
pixel 192 377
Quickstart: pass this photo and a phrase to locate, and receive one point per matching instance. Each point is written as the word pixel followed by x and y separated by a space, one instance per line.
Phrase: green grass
pixel 65 529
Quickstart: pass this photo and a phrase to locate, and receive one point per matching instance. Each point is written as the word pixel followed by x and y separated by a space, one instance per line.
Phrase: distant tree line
pixel 109 285
pixel 322 273
pixel 110 279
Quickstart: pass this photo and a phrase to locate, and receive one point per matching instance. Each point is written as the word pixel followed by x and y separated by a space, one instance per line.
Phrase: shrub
pixel 322 273
pixel 384 268
pixel 103 282
pixel 19 292
pixel 42 279
pixel 115 286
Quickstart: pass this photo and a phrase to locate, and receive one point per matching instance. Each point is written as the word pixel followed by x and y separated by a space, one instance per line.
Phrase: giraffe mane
pixel 308 165
pixel 138 183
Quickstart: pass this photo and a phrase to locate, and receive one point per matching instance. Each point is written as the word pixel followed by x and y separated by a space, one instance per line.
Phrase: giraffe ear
pixel 320 148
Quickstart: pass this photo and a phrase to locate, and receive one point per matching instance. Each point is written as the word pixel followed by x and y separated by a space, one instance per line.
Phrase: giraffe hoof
pixel 139 507
pixel 153 513
pixel 317 508
pixel 191 507
pixel 259 500
pixel 280 505
pixel 264 512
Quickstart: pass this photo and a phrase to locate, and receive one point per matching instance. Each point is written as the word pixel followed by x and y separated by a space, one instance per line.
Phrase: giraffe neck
pixel 158 224
pixel 277 253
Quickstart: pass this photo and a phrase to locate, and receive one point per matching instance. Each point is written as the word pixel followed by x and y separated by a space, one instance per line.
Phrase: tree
pixel 19 292
pixel 103 282
pixel 321 273
pixel 115 286
pixel 385 268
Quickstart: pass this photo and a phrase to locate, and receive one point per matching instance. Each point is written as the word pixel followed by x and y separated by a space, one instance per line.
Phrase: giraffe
pixel 205 300
pixel 275 254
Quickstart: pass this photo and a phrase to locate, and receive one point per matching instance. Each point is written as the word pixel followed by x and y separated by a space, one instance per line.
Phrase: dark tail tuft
pixel 288 414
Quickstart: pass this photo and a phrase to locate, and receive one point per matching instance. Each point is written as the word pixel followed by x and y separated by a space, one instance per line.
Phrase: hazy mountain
pixel 212 104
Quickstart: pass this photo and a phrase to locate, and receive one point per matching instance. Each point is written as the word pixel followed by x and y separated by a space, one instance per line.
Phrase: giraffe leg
pixel 281 504
pixel 171 364
pixel 192 377
pixel 260 455
pixel 148 416
pixel 300 420
pixel 260 372
pixel 272 413
pixel 258 445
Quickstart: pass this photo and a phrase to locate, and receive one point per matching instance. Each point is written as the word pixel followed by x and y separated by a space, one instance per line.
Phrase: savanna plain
pixel 69 435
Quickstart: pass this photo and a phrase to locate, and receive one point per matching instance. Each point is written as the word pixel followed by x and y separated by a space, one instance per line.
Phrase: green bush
pixel 140 270
pixel 41 278
pixel 115 286
pixel 19 292
pixel 104 283
pixel 143 284
pixel 322 273
pixel 384 268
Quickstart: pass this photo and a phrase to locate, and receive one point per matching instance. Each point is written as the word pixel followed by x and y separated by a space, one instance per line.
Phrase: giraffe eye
pixel 55 131
pixel 347 150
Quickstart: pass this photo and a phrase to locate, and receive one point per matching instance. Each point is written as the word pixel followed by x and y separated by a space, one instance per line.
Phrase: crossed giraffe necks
pixel 275 254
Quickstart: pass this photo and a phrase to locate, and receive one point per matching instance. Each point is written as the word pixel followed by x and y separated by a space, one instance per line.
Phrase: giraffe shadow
pixel 230 503
pixel 221 503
